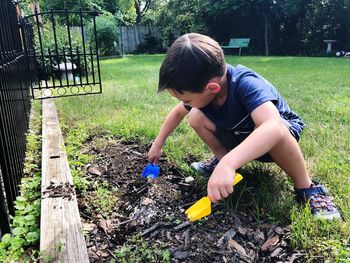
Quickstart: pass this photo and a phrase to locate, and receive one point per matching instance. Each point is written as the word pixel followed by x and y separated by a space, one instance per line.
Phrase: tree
pixel 125 12
pixel 328 19
pixel 288 26
pixel 70 5
pixel 141 8
pixel 261 9
pixel 180 17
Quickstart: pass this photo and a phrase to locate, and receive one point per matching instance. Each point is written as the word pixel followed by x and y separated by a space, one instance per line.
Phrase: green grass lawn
pixel 318 89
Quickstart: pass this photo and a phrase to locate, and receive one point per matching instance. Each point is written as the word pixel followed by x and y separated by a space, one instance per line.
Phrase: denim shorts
pixel 232 138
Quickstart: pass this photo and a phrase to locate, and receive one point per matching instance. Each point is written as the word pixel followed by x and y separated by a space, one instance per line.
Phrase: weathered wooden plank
pixel 61 236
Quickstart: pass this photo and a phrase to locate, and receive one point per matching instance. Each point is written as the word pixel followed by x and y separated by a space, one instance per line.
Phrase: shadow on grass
pixel 264 192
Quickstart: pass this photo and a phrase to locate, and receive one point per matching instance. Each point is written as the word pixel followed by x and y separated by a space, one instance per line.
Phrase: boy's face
pixel 202 99
pixel 196 100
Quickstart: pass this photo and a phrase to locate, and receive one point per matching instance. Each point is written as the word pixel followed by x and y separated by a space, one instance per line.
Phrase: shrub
pixel 48 45
pixel 151 45
pixel 106 31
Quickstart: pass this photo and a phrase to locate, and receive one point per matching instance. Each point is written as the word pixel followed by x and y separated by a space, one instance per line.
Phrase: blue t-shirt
pixel 246 91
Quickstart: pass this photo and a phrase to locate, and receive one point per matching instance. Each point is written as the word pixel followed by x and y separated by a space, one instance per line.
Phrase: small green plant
pixel 102 142
pixel 102 200
pixel 46 258
pixel 137 250
pixel 77 158
pixel 21 244
pixel 102 197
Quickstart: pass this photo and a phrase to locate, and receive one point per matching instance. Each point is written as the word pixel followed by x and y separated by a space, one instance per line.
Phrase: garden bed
pixel 127 218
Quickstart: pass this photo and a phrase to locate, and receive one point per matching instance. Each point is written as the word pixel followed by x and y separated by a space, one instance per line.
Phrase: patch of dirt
pixel 154 209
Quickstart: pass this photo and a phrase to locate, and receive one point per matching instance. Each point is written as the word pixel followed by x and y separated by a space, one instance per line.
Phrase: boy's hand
pixel 220 182
pixel 154 153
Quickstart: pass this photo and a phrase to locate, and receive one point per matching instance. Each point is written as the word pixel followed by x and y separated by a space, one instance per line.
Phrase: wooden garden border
pixel 61 236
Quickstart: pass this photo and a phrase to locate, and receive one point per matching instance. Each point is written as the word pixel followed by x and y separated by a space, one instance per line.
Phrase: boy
pixel 239 115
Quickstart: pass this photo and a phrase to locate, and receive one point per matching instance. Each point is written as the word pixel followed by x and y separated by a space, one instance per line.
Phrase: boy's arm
pixel 269 130
pixel 171 121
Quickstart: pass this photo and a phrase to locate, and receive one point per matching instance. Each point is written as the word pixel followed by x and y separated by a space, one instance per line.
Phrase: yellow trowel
pixel 202 207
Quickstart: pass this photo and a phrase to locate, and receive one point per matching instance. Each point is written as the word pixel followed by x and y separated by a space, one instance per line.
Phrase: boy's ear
pixel 213 87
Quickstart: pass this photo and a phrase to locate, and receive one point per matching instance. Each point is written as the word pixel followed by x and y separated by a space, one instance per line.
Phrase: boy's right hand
pixel 154 153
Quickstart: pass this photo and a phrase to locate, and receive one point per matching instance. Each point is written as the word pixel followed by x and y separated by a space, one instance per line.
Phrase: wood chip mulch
pixel 154 209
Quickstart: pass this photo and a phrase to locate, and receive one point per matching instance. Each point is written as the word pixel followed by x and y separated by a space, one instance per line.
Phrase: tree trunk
pixel 266 34
pixel 138 12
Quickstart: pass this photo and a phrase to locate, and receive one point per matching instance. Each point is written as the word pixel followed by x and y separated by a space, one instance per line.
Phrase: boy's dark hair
pixel 192 60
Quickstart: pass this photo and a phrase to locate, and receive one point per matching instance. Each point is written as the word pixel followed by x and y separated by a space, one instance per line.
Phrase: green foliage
pixel 258 191
pixel 46 5
pixel 24 6
pixel 102 200
pixel 125 13
pixel 137 251
pixel 151 45
pixel 292 27
pixel 59 36
pixel 23 241
pixel 75 136
pixel 106 31
pixel 179 17
pixel 121 8
pixel 326 20
pixel 320 238
pixel 151 17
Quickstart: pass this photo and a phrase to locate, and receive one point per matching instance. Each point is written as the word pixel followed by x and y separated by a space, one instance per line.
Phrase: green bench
pixel 237 43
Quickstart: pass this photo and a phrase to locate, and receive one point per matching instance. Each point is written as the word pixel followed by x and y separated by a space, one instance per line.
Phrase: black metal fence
pixel 65 54
pixel 14 109
pixel 50 53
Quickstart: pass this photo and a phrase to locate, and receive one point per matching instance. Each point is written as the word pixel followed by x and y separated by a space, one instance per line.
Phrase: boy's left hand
pixel 220 182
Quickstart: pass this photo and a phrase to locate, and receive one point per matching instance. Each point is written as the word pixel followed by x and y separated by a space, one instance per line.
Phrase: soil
pixel 153 210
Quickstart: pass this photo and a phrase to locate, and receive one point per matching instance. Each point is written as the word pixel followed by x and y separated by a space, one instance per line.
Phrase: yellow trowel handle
pixel 202 207
pixel 238 178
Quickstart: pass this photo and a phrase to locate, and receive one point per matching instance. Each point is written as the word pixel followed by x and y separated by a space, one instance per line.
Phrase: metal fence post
pixel 4 219
pixel 14 110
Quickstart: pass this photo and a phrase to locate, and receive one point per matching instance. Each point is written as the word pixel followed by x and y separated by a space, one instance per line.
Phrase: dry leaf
pixel 234 244
pixel 94 171
pixel 89 226
pixel 269 243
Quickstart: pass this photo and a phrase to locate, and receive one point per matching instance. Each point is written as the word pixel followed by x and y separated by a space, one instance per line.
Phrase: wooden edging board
pixel 61 235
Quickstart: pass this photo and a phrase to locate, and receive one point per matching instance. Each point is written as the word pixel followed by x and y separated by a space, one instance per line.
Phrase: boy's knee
pixel 195 119
pixel 198 120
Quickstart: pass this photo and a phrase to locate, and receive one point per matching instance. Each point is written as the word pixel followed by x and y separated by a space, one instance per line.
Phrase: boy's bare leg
pixel 288 156
pixel 205 130
pixel 286 153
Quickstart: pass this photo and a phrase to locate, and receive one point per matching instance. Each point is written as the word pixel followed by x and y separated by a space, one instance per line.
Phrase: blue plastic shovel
pixel 151 171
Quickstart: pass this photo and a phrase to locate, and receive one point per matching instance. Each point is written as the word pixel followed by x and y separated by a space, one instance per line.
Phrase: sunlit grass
pixel 318 89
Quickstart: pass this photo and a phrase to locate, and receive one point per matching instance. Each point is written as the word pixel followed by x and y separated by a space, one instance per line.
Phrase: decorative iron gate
pixel 50 52
pixel 65 53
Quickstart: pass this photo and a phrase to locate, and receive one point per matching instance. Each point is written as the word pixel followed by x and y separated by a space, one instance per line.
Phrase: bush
pixel 169 35
pixel 44 65
pixel 151 45
pixel 106 31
